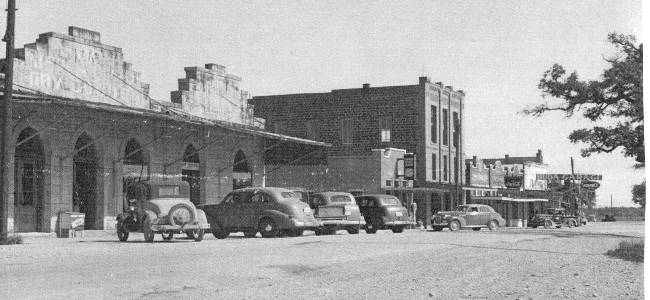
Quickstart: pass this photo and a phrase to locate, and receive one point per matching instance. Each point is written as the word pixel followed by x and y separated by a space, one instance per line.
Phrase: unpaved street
pixel 505 264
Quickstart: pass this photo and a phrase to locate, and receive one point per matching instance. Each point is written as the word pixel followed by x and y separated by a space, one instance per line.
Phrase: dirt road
pixel 505 264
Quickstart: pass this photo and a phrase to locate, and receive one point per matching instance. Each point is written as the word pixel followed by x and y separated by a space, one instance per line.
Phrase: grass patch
pixel 10 239
pixel 631 250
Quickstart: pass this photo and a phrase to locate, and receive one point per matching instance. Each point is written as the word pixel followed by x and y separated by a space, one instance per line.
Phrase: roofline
pixel 186 118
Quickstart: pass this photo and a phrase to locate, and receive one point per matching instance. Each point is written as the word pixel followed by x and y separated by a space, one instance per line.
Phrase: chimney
pixel 366 85
pixel 540 158
pixel 507 156
pixel 424 80
pixel 439 83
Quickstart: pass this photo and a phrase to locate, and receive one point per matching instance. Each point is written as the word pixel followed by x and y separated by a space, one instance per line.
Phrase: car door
pixel 473 217
pixel 486 215
pixel 225 210
pixel 260 202
pixel 245 214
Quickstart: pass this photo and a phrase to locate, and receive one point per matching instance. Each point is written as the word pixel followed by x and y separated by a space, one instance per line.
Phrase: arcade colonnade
pixel 72 156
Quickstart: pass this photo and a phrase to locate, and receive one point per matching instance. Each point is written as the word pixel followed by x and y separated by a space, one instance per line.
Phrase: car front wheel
pixel 454 225
pixel 218 231
pixel 354 230
pixel 398 229
pixel 548 224
pixel 268 229
pixel 371 229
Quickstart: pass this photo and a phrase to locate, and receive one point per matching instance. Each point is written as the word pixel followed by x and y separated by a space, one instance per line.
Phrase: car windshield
pixel 341 199
pixel 390 201
pixel 462 208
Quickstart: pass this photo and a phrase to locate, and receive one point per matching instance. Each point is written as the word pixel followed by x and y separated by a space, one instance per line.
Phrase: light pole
pixel 6 116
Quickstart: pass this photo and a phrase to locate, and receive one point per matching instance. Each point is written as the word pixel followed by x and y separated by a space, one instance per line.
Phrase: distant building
pixel 424 119
pixel 509 185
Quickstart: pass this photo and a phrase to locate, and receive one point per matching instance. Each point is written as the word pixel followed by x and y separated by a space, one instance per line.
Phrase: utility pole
pixel 6 115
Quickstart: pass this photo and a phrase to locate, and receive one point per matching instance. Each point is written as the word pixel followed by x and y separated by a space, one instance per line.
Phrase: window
pixel 389 182
pixel 341 199
pixel 434 124
pixel 434 167
pixel 346 131
pixel 456 128
pixel 445 127
pixel 445 168
pixel 384 125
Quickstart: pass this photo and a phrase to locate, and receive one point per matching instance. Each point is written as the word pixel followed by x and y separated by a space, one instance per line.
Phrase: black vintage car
pixel 383 212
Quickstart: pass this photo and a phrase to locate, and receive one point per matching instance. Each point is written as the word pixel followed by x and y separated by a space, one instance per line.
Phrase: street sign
pixel 589 177
pixel 591 185
pixel 513 182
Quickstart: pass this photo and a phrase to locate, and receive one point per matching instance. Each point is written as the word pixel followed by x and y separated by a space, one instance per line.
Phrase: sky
pixel 496 51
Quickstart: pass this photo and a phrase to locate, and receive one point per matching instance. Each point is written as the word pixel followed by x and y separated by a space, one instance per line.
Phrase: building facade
pixel 424 119
pixel 84 129
pixel 509 185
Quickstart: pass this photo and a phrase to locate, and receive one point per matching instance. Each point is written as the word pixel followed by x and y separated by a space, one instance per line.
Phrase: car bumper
pixel 398 223
pixel 306 224
pixel 343 222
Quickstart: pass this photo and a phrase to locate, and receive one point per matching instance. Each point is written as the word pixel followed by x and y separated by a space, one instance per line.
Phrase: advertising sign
pixel 409 166
pixel 514 182
pixel 589 177
pixel 591 185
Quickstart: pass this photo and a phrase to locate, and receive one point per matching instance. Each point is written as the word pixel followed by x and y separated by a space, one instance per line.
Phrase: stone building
pixel 509 185
pixel 364 123
pixel 84 129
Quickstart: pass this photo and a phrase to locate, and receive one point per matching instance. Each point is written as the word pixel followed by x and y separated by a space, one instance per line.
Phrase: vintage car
pixel 161 207
pixel 475 216
pixel 554 217
pixel 609 218
pixel 271 211
pixel 383 212
pixel 336 210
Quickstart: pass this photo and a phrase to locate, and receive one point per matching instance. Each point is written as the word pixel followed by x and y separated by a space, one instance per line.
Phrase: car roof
pixel 270 190
pixel 376 196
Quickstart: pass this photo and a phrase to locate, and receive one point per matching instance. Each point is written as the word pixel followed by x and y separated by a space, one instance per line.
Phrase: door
pixel 26 197
pixel 473 216
pixel 485 215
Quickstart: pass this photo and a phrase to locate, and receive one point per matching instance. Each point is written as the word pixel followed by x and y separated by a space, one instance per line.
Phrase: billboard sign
pixel 514 182
pixel 409 166
pixel 591 185
pixel 589 177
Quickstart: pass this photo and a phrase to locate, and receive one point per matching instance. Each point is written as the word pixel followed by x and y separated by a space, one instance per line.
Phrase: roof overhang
pixel 493 198
pixel 176 116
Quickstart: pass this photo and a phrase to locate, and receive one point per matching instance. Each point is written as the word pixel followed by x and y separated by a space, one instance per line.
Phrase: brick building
pixel 424 119
pixel 509 185
pixel 84 129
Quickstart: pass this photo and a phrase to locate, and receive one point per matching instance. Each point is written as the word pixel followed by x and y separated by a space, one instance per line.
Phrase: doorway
pixel 191 173
pixel 28 182
pixel 84 196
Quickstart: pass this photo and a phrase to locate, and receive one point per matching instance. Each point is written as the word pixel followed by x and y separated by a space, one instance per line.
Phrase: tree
pixel 638 194
pixel 618 96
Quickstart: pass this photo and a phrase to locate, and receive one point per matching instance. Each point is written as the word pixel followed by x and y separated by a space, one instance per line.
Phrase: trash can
pixel 71 224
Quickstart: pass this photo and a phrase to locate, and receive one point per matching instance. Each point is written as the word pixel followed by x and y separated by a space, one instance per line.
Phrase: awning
pixel 510 199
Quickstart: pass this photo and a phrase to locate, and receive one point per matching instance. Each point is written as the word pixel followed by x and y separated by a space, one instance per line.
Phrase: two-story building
pixel 424 119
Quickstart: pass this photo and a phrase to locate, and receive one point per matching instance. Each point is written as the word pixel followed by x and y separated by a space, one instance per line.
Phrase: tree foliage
pixel 638 194
pixel 617 96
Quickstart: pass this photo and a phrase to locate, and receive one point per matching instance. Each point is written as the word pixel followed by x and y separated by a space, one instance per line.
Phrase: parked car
pixel 336 210
pixel 609 218
pixel 161 207
pixel 383 212
pixel 555 217
pixel 271 211
pixel 475 216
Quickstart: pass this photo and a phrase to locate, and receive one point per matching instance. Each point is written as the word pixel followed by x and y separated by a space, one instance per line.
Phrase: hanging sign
pixel 514 182
pixel 409 166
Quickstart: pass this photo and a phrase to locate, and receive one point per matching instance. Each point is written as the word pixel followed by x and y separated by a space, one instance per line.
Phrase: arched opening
pixel 241 172
pixel 84 196
pixel 191 173
pixel 28 182
pixel 134 169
